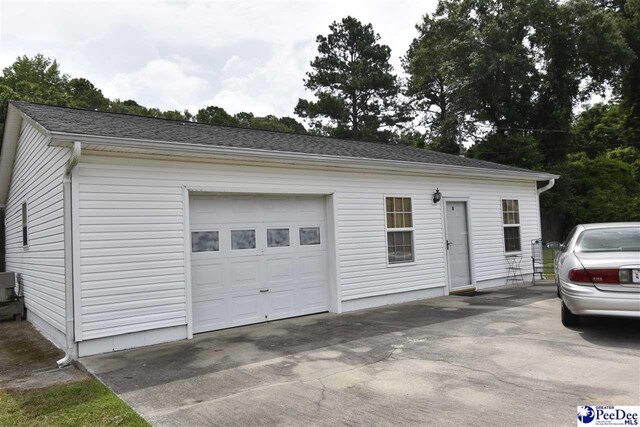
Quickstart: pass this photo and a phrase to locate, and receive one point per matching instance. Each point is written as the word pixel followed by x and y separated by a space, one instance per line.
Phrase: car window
pixel 565 245
pixel 613 239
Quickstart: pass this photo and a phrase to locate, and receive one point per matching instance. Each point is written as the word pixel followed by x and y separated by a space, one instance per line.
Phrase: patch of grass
pixel 84 403
pixel 547 256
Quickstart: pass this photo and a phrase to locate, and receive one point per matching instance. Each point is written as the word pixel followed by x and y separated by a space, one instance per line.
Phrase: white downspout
pixel 541 190
pixel 71 351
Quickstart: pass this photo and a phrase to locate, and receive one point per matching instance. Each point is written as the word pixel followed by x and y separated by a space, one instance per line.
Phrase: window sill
pixel 515 253
pixel 401 264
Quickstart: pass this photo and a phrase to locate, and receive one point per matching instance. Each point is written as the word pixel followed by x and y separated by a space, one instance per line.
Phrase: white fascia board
pixel 12 128
pixel 154 146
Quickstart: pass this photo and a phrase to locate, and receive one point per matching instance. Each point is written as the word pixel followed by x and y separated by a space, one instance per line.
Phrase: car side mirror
pixel 553 245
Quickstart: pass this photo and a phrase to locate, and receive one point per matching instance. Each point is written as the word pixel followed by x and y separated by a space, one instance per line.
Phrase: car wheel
pixel 568 318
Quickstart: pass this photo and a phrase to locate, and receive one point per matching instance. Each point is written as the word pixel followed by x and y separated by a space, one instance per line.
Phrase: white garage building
pixel 131 231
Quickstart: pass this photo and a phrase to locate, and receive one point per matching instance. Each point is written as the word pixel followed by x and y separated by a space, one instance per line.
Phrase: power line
pixel 570 148
pixel 524 129
pixel 541 130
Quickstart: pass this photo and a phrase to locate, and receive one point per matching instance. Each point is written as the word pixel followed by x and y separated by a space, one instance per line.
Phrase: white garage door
pixel 256 258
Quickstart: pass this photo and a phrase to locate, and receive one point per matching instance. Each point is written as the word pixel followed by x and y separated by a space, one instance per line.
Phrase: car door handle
pixel 264 290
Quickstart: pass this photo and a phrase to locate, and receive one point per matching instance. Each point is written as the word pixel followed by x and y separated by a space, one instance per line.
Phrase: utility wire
pixel 523 129
pixel 539 130
pixel 570 148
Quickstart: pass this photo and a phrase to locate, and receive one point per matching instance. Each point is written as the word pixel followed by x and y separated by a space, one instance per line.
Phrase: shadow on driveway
pixel 610 332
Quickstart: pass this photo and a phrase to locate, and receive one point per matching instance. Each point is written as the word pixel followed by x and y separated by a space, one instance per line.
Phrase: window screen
pixel 399 217
pixel 400 246
pixel 511 225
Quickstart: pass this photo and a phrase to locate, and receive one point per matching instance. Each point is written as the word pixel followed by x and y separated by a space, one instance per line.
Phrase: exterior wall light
pixel 437 196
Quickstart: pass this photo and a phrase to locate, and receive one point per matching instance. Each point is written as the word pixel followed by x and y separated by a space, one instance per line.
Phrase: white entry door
pixel 256 258
pixel 458 246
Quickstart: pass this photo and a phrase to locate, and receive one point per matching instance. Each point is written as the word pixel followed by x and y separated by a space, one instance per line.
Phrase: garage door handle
pixel 264 290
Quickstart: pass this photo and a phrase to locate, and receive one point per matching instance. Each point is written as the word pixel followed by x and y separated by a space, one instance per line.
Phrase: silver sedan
pixel 598 271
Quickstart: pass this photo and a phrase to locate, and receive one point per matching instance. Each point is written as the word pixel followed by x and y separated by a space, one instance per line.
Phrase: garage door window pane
pixel 309 236
pixel 243 239
pixel 205 241
pixel 277 237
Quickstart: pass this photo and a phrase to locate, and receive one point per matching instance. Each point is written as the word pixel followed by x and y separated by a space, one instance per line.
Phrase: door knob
pixel 449 244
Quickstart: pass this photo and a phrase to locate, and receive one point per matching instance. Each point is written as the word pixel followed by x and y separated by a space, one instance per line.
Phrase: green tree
pixel 273 123
pixel 83 94
pixel 428 88
pixel 514 67
pixel 601 128
pixel 353 82
pixel 521 151
pixel 36 79
pixel 602 189
pixel 215 116
pixel 218 116
pixel 629 89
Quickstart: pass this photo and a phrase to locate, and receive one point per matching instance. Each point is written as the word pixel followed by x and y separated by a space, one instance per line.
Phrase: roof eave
pixel 65 139
pixel 10 137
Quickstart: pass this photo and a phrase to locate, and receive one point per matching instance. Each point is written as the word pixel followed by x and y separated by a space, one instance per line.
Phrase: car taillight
pixel 595 275
pixel 579 275
pixel 604 275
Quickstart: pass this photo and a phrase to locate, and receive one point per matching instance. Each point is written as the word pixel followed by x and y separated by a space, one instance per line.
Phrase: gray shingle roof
pixel 87 122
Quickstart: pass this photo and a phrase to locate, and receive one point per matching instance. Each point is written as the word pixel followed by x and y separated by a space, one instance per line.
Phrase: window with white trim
pixel 511 225
pixel 25 226
pixel 399 213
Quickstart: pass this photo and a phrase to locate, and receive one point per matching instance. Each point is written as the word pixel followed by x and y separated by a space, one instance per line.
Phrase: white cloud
pixel 241 55
pixel 267 88
pixel 165 80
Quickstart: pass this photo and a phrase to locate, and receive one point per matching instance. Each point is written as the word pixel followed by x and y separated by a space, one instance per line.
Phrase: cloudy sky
pixel 240 55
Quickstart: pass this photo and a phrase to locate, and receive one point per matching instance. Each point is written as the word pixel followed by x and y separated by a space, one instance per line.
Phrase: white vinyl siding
pixel 132 231
pixel 37 181
pixel 132 255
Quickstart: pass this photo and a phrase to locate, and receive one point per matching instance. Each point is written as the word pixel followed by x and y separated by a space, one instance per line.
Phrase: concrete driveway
pixel 495 358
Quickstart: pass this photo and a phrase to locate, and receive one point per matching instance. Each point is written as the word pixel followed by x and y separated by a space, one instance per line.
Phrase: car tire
pixel 568 318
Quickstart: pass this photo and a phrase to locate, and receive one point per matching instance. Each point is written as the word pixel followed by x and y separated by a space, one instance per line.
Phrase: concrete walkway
pixel 496 358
